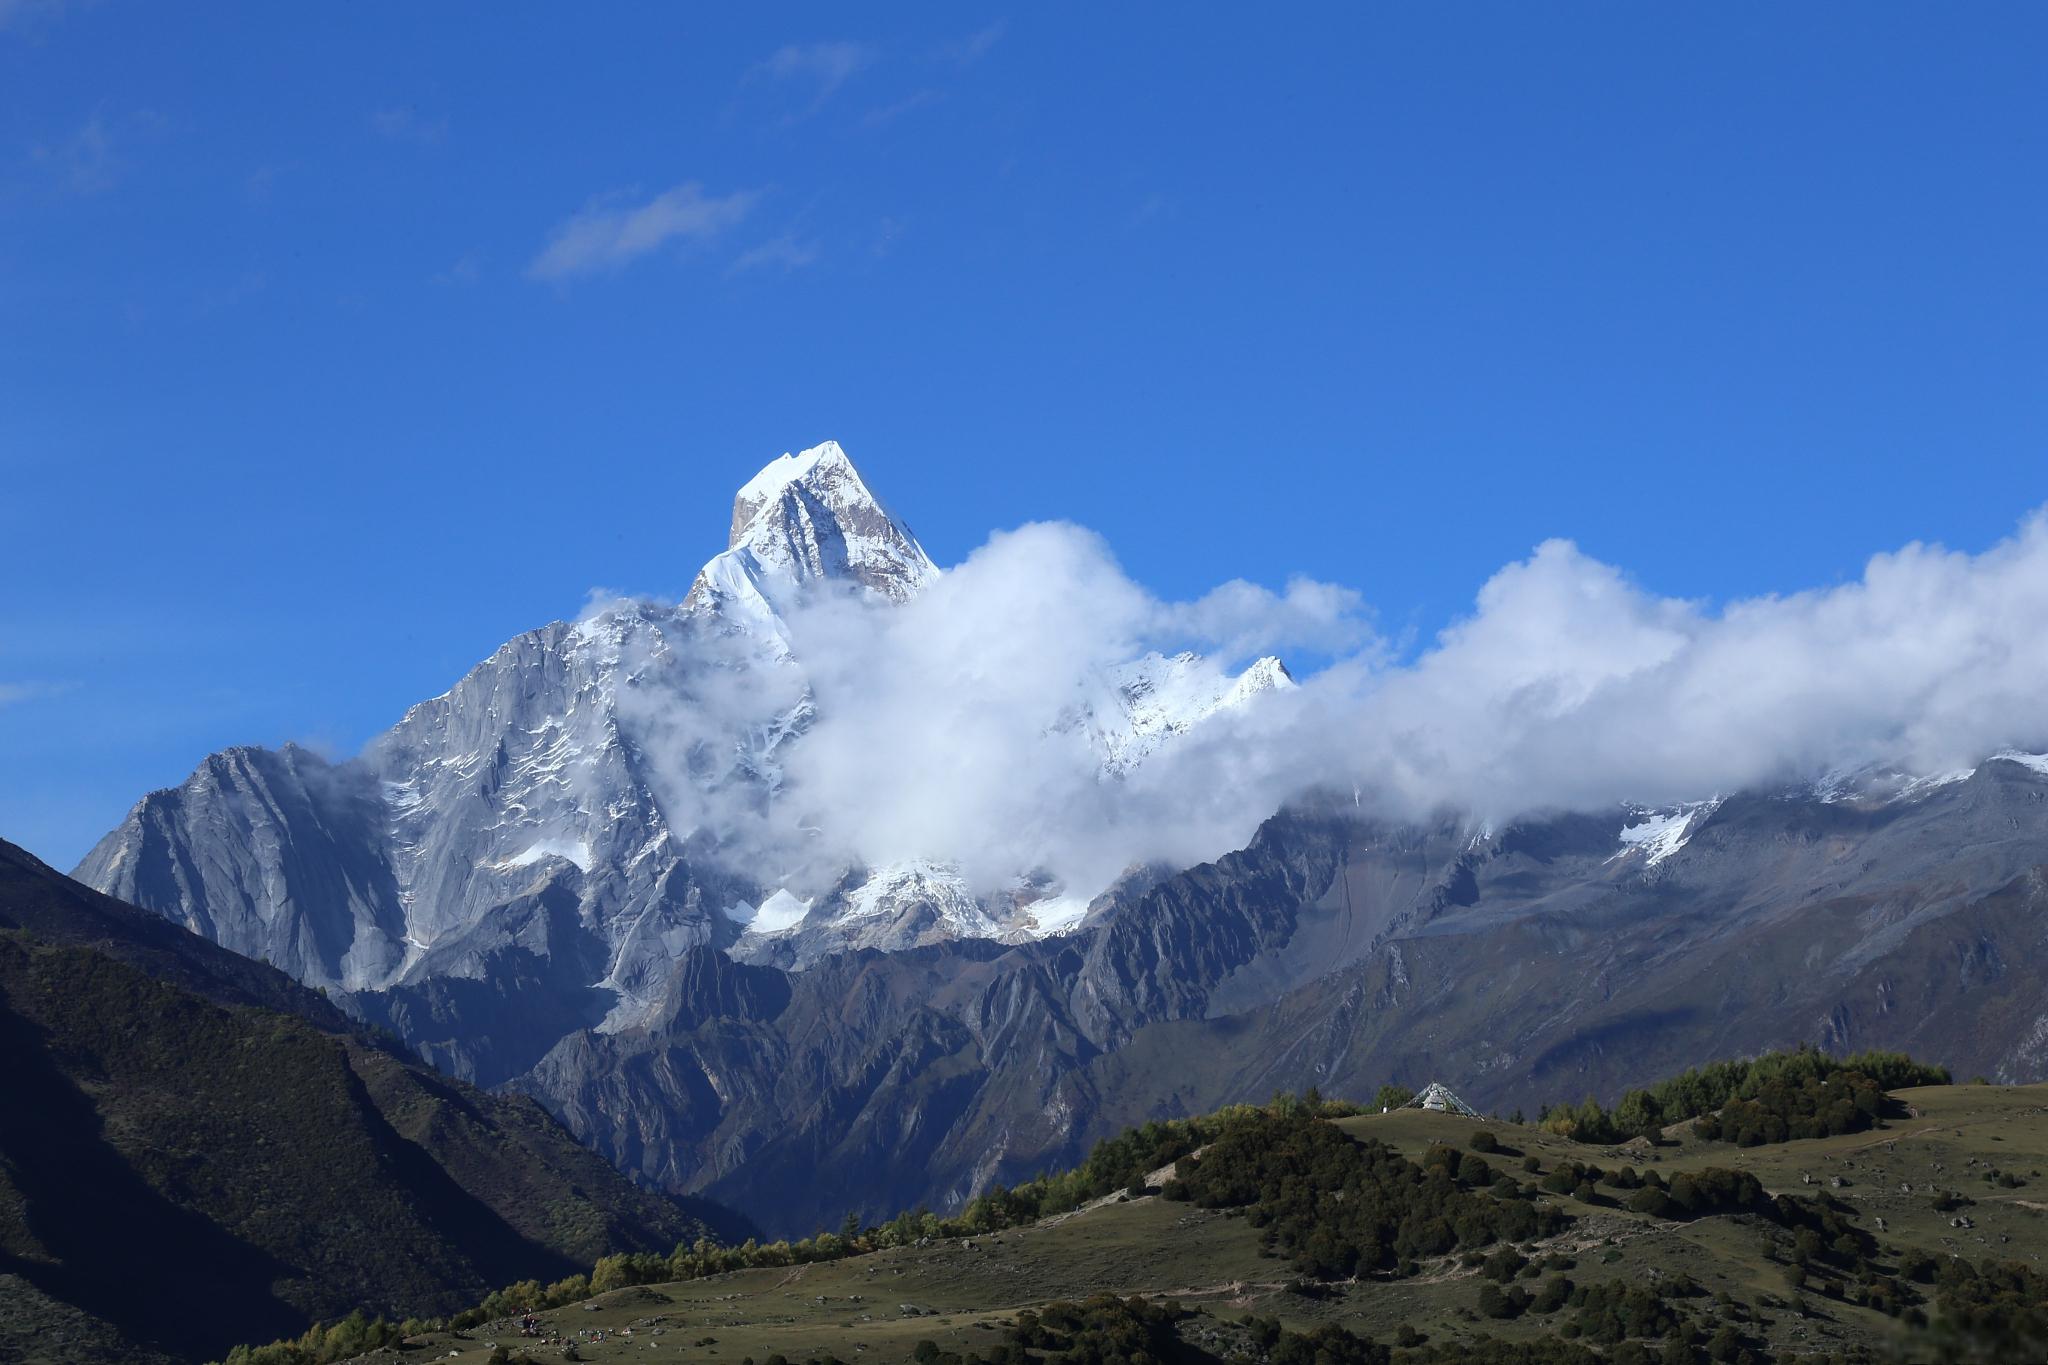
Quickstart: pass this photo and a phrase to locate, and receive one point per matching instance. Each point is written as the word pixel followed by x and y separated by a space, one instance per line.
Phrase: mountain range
pixel 584 874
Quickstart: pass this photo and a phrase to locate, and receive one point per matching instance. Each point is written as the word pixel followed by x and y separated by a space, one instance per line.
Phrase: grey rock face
pixel 515 833
pixel 1531 964
pixel 426 857
pixel 277 855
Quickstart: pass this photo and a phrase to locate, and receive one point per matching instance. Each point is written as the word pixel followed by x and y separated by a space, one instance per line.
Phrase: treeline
pixel 1777 1096
pixel 1337 1207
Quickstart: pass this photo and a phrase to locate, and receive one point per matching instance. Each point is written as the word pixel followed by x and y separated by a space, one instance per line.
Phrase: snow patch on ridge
pixel 1055 915
pixel 776 913
pixel 576 851
pixel 895 888
pixel 1658 834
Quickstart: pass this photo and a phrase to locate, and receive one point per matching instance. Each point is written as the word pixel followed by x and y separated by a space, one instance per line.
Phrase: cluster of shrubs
pixel 354 1335
pixel 1998 1308
pixel 1107 1329
pixel 1104 1328
pixel 1700 1194
pixel 1337 1207
pixel 1785 1108
pixel 1784 1075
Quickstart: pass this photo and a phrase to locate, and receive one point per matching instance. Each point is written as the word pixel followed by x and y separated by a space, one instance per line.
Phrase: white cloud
pixel 825 66
pixel 1243 619
pixel 1570 687
pixel 970 49
pixel 403 123
pixel 887 114
pixel 945 727
pixel 466 269
pixel 86 159
pixel 614 231
pixel 785 252
pixel 22 13
pixel 13 694
pixel 94 157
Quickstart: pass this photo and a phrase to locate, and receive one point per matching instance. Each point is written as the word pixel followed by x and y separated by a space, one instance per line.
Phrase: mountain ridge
pixel 602 761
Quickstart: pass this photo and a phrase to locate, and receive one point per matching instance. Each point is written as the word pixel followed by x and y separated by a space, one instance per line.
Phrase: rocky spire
pixel 806 517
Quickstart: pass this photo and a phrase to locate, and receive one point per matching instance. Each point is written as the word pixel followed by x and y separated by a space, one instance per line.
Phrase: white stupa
pixel 1437 1096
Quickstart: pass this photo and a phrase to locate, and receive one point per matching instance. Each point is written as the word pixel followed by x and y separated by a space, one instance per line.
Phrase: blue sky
pixel 338 344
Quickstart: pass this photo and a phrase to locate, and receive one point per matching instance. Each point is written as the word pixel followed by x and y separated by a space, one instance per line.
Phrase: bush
pixel 2001 1307
pixel 1338 1207
pixel 1555 1294
pixel 1787 1107
pixel 1777 1082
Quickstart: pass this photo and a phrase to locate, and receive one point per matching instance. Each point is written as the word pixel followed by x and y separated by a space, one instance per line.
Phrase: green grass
pixel 969 1287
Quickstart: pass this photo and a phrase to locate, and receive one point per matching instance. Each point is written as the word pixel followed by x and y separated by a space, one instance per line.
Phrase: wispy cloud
pixel 887 233
pixel 261 183
pixel 973 47
pixel 825 66
pixel 786 252
pixel 85 159
pixel 613 231
pixel 889 113
pixel 221 298
pixel 403 123
pixel 1154 206
pixel 467 269
pixel 93 157
pixel 14 693
pixel 19 14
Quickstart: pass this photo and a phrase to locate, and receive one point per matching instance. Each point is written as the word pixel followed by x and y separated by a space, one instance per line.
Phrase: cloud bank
pixel 945 726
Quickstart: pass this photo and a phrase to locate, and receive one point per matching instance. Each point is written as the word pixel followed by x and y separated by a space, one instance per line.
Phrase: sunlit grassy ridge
pixel 1304 1231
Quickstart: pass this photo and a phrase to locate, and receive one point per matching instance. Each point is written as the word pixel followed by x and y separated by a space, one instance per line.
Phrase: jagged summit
pixel 806 517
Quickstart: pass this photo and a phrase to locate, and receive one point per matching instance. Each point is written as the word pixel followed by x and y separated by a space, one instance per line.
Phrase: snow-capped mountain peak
pixel 808 517
pixel 589 798
pixel 1158 698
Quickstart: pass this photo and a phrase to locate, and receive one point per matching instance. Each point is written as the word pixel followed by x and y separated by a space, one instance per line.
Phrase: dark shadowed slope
pixel 177 1152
